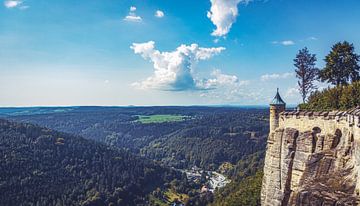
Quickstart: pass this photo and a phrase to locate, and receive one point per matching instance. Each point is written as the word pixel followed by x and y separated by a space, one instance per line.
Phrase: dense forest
pixel 208 136
pixel 39 166
pixel 245 192
pixel 246 182
pixel 229 140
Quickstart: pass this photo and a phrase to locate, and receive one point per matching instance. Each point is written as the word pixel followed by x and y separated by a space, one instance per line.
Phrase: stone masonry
pixel 313 158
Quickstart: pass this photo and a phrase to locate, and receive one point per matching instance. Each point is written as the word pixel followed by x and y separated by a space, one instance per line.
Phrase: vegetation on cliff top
pixel 341 70
pixel 337 98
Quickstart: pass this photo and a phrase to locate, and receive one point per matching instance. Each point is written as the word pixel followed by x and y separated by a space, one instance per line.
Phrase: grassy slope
pixel 147 119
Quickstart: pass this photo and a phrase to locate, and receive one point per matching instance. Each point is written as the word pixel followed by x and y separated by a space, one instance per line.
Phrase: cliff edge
pixel 312 158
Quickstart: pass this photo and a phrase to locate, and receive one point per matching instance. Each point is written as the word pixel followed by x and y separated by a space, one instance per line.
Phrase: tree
pixel 341 65
pixel 306 72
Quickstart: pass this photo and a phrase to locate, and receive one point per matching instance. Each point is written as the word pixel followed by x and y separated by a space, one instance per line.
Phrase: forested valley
pixel 228 140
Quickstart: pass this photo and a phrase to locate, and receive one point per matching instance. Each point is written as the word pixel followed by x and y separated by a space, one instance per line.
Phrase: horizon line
pixel 194 105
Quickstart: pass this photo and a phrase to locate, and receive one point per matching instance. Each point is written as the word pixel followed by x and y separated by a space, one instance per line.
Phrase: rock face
pixel 313 159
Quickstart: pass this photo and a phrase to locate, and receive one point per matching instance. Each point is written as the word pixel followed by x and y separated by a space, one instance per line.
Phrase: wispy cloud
pixel 132 15
pixel 284 43
pixel 219 79
pixel 133 18
pixel 292 42
pixel 159 14
pixel 275 76
pixel 229 89
pixel 24 7
pixel 174 70
pixel 287 42
pixel 292 92
pixel 223 14
pixel 312 38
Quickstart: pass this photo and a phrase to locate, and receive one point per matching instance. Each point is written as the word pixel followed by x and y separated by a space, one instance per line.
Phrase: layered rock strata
pixel 313 158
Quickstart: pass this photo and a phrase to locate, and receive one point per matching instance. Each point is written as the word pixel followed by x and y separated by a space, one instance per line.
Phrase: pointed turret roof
pixel 277 99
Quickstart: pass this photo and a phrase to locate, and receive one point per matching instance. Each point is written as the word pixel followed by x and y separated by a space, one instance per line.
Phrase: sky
pixel 163 52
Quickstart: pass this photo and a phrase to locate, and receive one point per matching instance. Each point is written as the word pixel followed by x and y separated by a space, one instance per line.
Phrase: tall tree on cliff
pixel 306 72
pixel 341 65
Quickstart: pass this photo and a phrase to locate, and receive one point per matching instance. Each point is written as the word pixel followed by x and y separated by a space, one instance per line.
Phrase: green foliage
pixel 36 170
pixel 306 72
pixel 243 193
pixel 209 138
pixel 212 136
pixel 337 98
pixel 209 141
pixel 244 190
pixel 341 65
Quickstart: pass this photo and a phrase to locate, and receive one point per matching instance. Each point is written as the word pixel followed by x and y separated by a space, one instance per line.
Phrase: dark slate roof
pixel 277 99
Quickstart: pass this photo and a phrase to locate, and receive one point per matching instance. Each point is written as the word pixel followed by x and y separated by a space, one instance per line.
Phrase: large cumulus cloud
pixel 174 70
pixel 223 14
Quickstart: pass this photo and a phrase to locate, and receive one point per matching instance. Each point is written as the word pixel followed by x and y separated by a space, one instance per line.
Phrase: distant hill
pixel 18 111
pixel 207 136
pixel 39 166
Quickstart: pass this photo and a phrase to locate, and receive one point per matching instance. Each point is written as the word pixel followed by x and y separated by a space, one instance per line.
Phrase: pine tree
pixel 341 65
pixel 306 72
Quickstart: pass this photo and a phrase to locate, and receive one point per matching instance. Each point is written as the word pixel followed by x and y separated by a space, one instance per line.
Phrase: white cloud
pixel 159 14
pixel 132 15
pixel 312 38
pixel 292 95
pixel 173 70
pixel 220 79
pixel 267 77
pixel 133 18
pixel 287 42
pixel 12 3
pixel 224 88
pixel 284 43
pixel 292 92
pixel 24 7
pixel 132 8
pixel 223 14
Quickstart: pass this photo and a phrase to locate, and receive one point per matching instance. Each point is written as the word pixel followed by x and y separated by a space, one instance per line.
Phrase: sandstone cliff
pixel 313 158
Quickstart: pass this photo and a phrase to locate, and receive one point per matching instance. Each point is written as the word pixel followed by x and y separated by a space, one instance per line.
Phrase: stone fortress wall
pixel 312 158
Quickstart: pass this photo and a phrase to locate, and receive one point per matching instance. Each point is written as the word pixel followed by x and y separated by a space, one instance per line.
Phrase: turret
pixel 277 106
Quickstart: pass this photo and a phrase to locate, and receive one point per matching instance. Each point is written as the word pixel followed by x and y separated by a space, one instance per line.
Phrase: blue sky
pixel 161 52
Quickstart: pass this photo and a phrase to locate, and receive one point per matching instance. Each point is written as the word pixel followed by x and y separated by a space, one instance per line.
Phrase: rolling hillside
pixel 39 166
